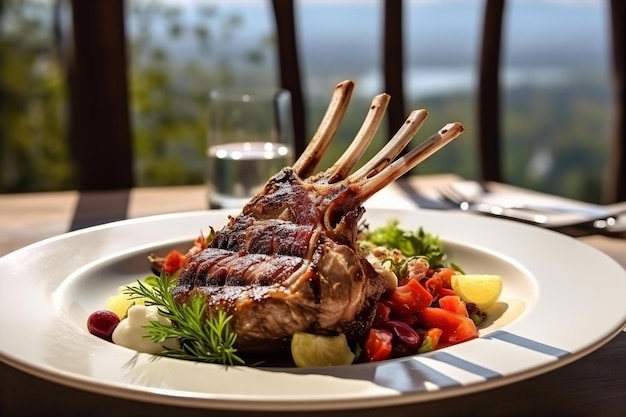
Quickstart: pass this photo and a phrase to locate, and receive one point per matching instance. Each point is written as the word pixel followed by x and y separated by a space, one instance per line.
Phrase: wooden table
pixel 592 386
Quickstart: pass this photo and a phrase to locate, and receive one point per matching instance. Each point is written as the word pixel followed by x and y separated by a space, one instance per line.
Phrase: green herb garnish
pixel 202 338
pixel 417 243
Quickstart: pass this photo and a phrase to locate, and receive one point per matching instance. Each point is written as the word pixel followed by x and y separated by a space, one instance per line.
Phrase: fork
pixel 598 219
pixel 453 196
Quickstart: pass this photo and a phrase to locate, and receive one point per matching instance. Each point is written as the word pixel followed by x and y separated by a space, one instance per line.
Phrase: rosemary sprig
pixel 202 338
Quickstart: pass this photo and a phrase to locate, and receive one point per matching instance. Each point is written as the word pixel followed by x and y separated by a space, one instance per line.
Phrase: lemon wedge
pixel 480 289
pixel 311 350
pixel 120 302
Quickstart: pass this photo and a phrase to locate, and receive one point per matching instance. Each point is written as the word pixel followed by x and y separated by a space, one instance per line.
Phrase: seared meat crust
pixel 276 276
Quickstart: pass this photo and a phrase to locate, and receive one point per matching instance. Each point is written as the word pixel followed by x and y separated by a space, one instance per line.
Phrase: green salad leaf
pixel 411 243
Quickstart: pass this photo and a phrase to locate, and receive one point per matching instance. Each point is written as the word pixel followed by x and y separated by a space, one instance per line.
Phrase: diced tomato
pixel 454 304
pixel 445 292
pixel 455 327
pixel 444 274
pixel 436 288
pixel 410 319
pixel 409 298
pixel 173 262
pixel 382 313
pixel 200 242
pixel 439 284
pixel 378 345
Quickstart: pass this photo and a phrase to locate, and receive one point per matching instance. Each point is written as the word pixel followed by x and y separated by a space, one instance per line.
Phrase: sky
pixel 442 30
pixel 340 39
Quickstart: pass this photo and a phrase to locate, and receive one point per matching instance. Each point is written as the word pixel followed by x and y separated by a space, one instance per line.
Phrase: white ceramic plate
pixel 561 300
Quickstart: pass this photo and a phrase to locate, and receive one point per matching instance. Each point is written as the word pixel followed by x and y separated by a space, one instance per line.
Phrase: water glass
pixel 250 138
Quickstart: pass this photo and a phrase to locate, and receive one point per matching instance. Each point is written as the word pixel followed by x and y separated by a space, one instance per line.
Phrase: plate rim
pixel 162 396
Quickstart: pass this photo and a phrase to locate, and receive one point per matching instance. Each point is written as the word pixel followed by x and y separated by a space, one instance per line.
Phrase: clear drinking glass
pixel 250 138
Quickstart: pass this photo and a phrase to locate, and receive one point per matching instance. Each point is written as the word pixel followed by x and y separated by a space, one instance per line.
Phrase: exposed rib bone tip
pixel 385 166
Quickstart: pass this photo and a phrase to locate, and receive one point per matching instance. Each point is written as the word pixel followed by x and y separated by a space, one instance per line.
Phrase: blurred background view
pixel 556 61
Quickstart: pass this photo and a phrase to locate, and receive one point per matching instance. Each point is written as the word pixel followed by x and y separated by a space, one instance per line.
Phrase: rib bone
pixel 364 137
pixel 313 153
pixel 407 162
pixel 393 148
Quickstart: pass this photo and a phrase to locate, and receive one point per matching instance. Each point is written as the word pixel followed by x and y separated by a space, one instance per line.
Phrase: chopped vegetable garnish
pixel 417 243
pixel 427 304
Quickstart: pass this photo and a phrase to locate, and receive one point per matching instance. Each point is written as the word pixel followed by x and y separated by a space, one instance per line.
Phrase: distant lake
pixel 544 41
pixel 423 82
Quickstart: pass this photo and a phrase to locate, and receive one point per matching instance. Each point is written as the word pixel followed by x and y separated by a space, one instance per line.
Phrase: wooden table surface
pixel 592 386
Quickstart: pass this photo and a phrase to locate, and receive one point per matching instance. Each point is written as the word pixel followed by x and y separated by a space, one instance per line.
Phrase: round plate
pixel 555 291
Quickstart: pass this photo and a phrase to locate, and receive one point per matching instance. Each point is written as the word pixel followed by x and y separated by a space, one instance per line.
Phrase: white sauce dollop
pixel 130 333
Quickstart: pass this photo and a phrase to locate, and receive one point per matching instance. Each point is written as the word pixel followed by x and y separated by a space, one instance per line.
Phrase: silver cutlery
pixel 454 196
pixel 554 216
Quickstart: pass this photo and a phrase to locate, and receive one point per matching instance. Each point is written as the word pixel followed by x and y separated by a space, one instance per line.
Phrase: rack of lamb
pixel 289 262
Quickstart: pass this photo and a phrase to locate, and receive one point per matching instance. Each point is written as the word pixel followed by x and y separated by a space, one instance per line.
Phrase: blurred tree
pixel 556 137
pixel 169 95
pixel 33 154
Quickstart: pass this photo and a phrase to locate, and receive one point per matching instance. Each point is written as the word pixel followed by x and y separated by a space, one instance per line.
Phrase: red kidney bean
pixel 404 335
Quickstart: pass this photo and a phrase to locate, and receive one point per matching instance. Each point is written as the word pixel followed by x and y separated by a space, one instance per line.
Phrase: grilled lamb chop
pixel 289 262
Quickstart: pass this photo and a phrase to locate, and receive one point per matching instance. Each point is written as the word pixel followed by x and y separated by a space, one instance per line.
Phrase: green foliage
pixel 169 97
pixel 418 243
pixel 568 122
pixel 33 155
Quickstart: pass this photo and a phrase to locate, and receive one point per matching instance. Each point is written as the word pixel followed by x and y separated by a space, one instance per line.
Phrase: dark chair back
pixel 99 116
